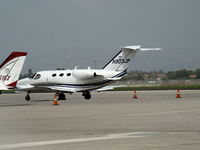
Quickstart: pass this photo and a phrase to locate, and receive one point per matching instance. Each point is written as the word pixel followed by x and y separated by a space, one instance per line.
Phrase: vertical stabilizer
pixel 122 60
pixel 11 68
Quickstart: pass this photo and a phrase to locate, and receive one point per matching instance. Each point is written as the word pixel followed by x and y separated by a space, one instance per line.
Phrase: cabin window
pixel 61 74
pixel 37 76
pixel 53 75
pixel 69 74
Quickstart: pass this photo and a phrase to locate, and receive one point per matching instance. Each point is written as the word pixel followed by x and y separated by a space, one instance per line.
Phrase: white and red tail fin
pixel 121 61
pixel 10 70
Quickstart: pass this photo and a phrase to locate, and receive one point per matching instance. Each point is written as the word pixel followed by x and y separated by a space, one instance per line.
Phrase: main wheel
pixel 61 96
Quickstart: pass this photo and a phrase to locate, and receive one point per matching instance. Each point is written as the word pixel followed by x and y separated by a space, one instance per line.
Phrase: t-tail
pixel 121 61
pixel 10 70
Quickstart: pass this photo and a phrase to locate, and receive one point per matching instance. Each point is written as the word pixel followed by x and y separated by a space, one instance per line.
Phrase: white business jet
pixel 82 80
pixel 10 70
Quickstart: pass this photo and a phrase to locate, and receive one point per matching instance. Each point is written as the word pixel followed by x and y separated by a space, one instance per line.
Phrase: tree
pixel 30 73
pixel 60 68
pixel 171 75
pixel 197 72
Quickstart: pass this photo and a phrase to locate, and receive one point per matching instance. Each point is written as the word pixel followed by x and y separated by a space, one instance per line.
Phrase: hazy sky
pixel 69 33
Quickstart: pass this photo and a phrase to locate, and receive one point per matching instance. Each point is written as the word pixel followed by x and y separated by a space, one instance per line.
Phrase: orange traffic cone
pixel 55 102
pixel 178 95
pixel 135 95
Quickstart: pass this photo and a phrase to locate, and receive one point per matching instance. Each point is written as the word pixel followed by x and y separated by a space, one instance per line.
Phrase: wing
pixel 64 89
pixel 106 88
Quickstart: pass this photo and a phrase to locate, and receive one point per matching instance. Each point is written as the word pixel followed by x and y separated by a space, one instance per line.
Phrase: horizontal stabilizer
pixel 151 49
pixel 138 47
pixel 3 87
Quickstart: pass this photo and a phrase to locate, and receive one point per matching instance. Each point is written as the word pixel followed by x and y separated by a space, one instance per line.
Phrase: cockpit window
pixel 37 76
pixel 31 77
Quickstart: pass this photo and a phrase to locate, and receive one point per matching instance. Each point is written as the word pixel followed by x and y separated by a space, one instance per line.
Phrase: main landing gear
pixel 86 95
pixel 61 96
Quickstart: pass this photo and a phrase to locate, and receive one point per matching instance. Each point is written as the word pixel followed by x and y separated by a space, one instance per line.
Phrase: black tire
pixel 87 95
pixel 27 98
pixel 61 96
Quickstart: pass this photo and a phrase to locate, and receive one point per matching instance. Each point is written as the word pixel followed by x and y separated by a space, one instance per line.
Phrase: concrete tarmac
pixel 110 120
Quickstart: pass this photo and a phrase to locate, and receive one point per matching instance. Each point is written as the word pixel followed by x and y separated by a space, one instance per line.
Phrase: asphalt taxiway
pixel 111 120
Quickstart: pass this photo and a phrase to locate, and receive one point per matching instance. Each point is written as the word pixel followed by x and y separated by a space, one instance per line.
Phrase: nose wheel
pixel 27 97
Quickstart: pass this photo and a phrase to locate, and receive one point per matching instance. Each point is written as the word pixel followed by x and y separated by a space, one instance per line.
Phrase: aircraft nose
pixel 23 81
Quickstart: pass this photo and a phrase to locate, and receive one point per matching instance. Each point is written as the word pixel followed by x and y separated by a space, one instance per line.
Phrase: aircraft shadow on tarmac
pixel 10 105
pixel 45 100
pixel 35 101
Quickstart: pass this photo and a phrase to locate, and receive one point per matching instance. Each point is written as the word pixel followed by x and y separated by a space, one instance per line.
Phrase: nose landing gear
pixel 86 95
pixel 27 97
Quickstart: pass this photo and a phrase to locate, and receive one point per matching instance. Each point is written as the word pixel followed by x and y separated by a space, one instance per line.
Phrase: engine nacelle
pixel 83 74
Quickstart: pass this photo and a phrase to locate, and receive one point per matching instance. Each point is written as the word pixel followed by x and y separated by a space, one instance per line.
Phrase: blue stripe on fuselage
pixel 120 74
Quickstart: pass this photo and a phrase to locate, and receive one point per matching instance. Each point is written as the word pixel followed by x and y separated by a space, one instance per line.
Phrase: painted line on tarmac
pixel 165 112
pixel 145 114
pixel 153 113
pixel 70 141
